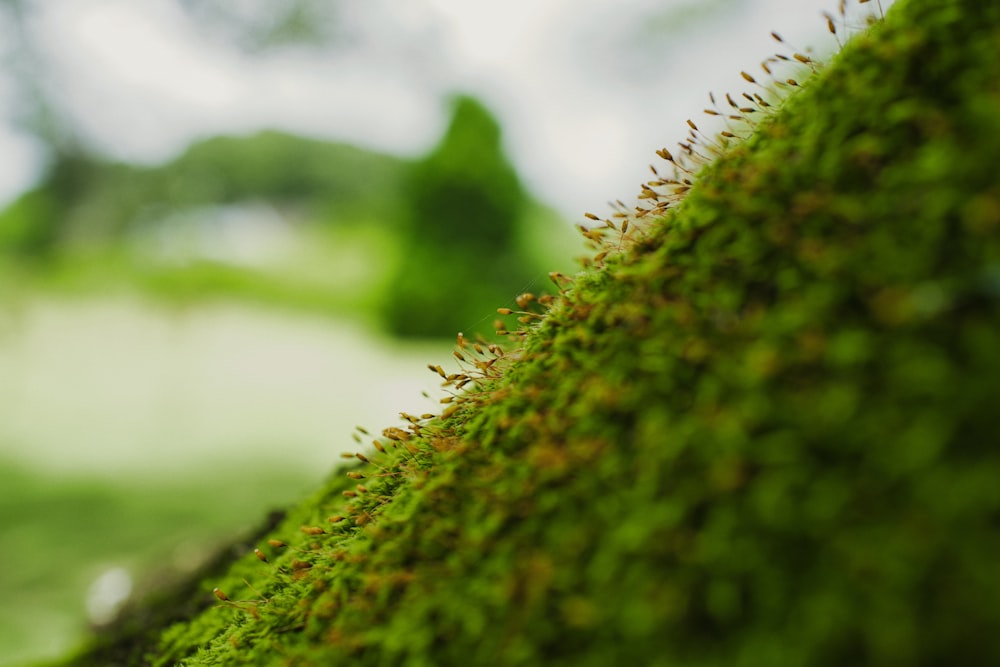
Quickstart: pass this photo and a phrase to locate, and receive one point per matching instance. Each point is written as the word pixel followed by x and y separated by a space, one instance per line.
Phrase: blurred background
pixel 231 231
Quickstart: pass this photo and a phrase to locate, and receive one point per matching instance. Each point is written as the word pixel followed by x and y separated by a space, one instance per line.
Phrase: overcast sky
pixel 586 91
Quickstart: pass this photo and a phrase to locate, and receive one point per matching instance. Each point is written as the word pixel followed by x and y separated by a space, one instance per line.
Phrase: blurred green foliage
pixel 461 248
pixel 29 227
pixel 422 247
pixel 256 26
pixel 87 201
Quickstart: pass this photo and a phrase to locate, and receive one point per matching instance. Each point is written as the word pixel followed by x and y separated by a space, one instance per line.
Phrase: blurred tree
pixel 34 225
pixel 461 257
pixel 97 202
pixel 256 26
pixel 34 105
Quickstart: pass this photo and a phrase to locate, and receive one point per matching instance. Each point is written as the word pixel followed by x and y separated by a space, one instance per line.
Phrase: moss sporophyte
pixel 758 428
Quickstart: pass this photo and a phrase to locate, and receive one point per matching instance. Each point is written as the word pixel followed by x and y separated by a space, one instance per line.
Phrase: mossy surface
pixel 764 434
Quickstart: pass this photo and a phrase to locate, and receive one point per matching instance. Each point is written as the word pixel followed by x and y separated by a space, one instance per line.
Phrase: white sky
pixel 585 91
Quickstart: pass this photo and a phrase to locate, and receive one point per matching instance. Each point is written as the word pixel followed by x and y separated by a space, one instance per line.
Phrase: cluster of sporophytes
pixel 764 433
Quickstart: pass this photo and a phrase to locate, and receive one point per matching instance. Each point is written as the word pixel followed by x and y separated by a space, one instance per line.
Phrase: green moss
pixel 764 434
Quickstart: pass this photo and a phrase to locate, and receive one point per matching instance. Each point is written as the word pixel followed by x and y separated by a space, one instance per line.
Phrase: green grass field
pixel 122 420
pixel 60 532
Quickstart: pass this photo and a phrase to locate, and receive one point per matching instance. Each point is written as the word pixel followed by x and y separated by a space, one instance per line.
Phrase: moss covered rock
pixel 765 433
